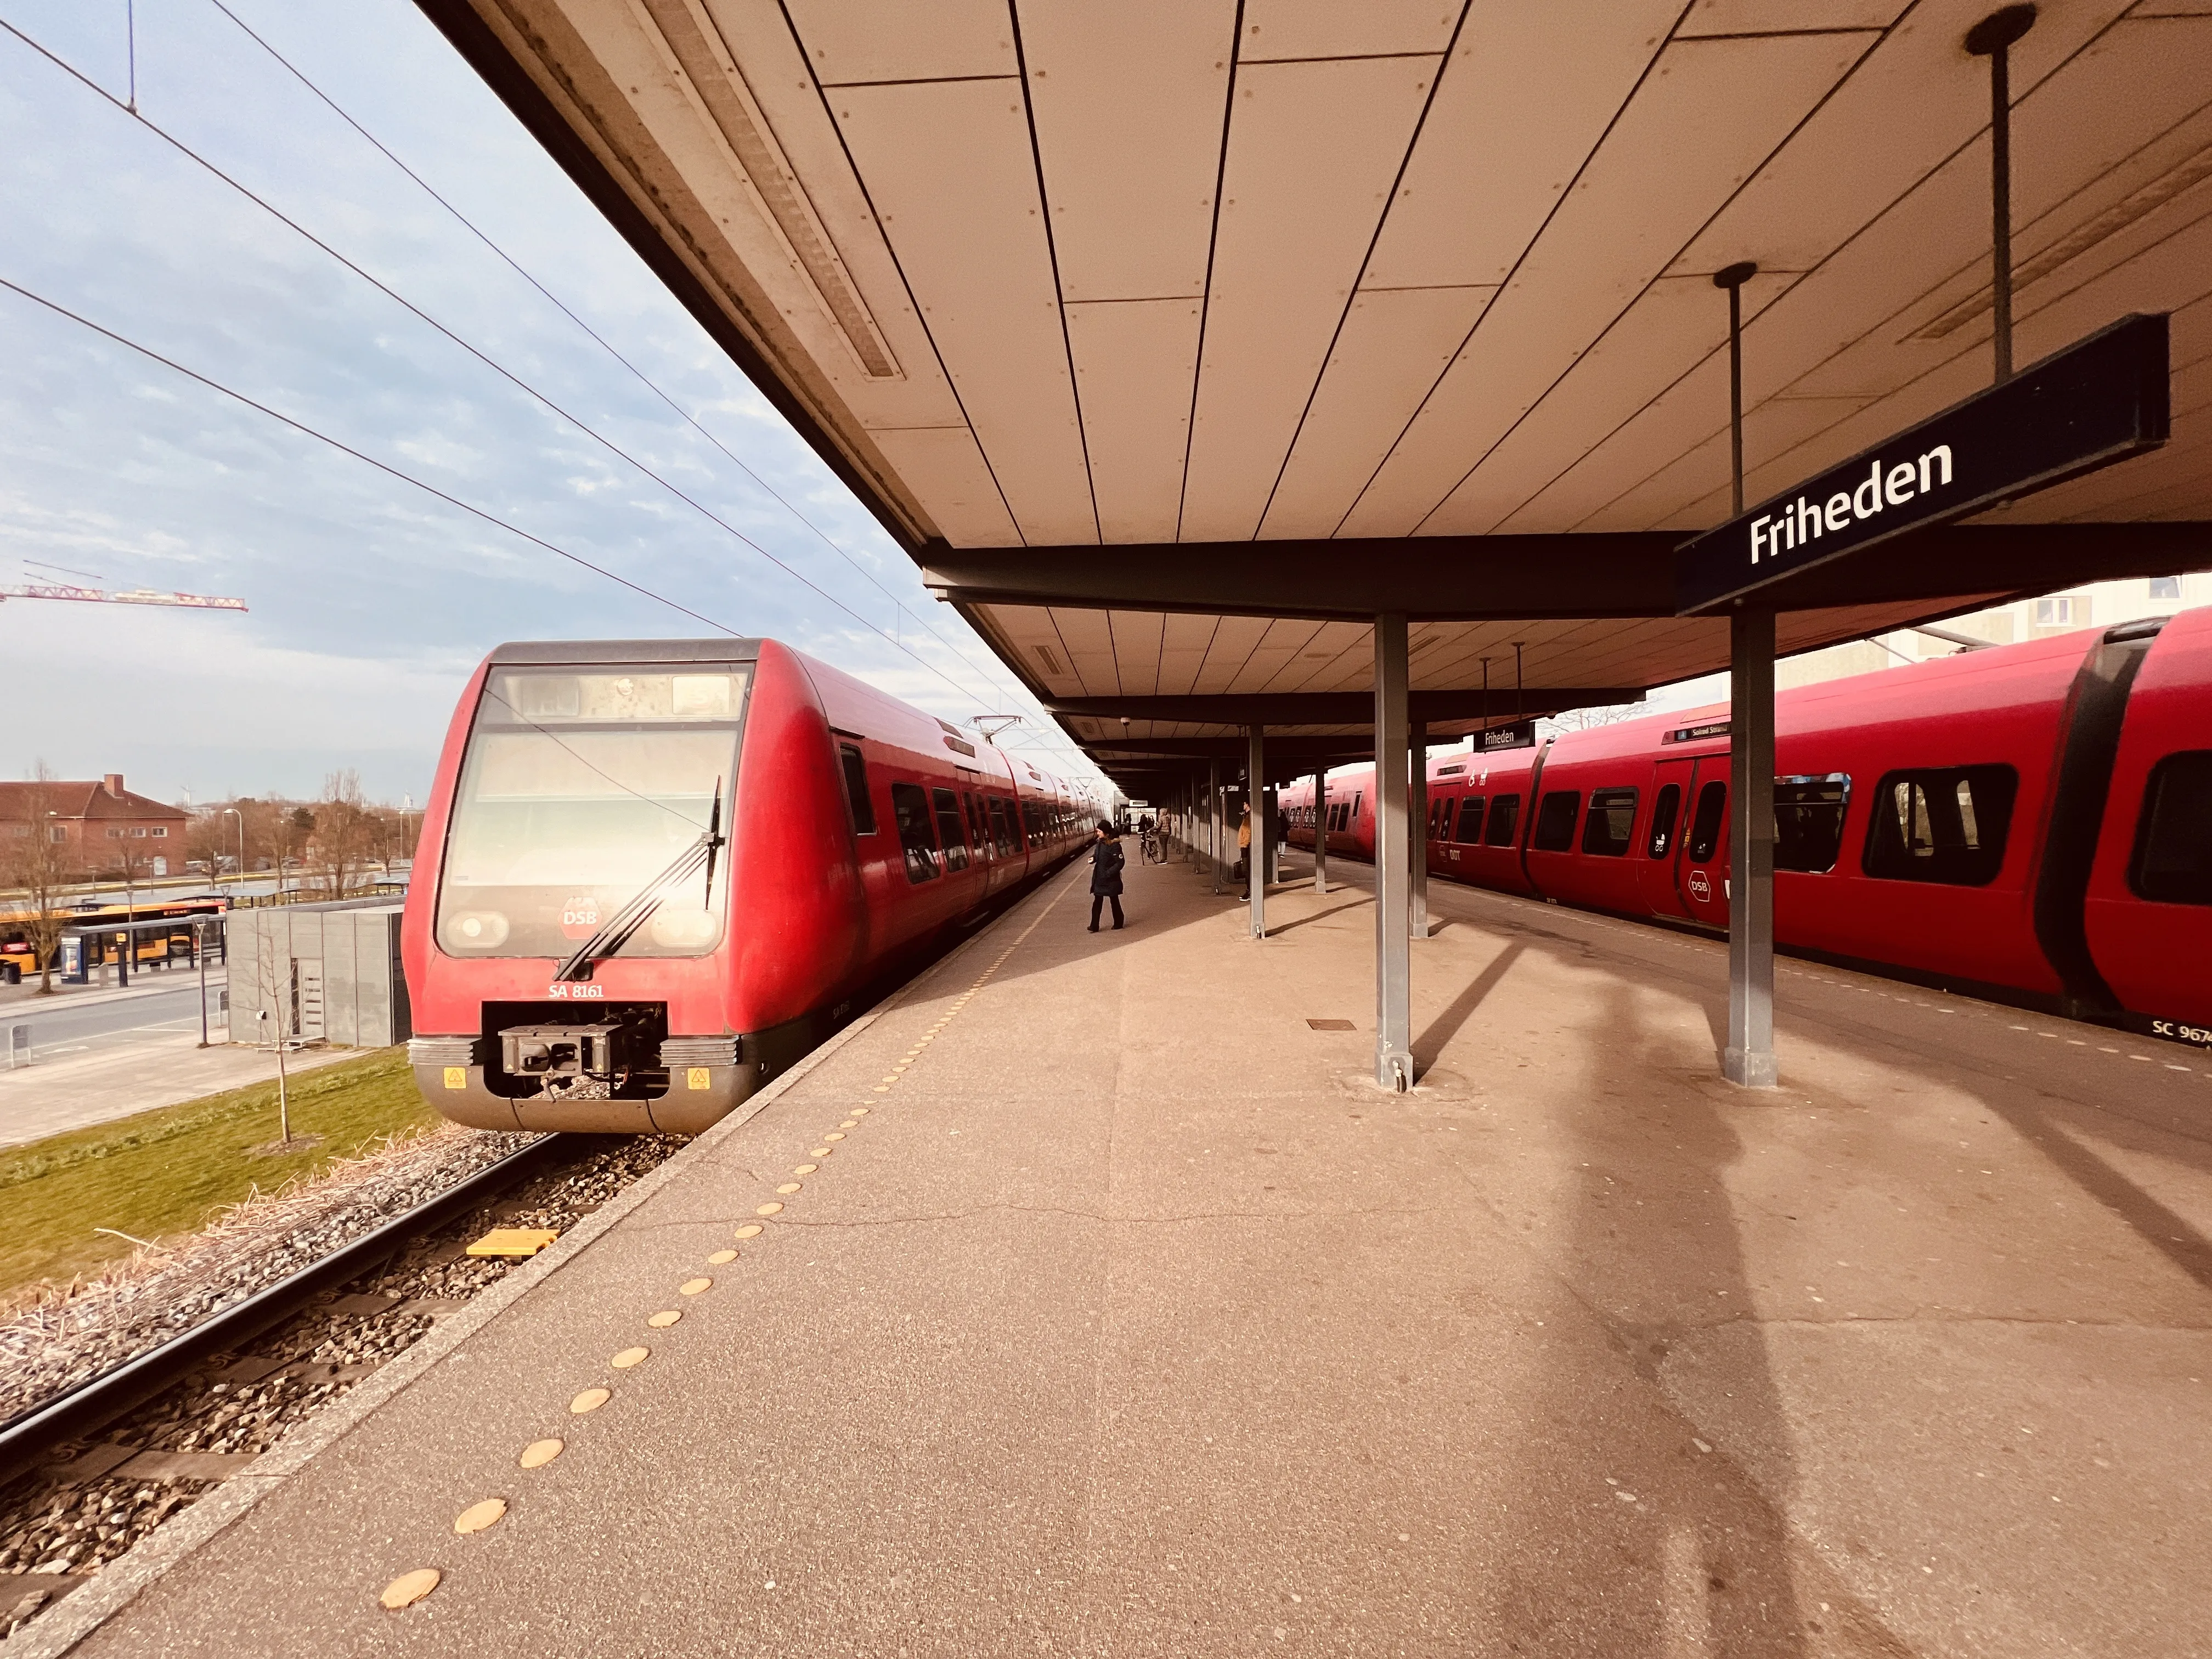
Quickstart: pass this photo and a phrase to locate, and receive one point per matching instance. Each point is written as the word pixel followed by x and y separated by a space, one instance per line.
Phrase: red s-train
pixel 653 873
pixel 2033 821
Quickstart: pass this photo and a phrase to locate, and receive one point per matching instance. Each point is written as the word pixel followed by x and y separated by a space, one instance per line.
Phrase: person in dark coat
pixel 1105 874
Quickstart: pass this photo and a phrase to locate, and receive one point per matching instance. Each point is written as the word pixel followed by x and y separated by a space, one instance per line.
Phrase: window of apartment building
pixel 161 832
pixel 2063 611
pixel 2165 587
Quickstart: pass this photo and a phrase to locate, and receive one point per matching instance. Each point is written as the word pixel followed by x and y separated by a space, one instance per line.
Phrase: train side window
pixel 910 809
pixel 950 830
pixel 1664 811
pixel 1445 808
pixel 1504 821
pixel 1808 821
pixel 1709 824
pixel 1611 823
pixel 1945 824
pixel 2172 862
pixel 856 791
pixel 1470 820
pixel 1555 820
pixel 974 809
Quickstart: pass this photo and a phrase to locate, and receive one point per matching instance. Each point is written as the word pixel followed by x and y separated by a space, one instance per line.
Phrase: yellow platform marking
pixel 769 1209
pixel 806 1169
pixel 720 1257
pixel 590 1400
pixel 753 1229
pixel 664 1319
pixel 538 1453
pixel 693 1286
pixel 410 1588
pixel 477 1516
pixel 629 1357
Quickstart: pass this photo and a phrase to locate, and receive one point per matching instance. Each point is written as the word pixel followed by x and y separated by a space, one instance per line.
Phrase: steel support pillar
pixel 1394 953
pixel 1321 831
pixel 1417 829
pixel 1749 1058
pixel 1255 769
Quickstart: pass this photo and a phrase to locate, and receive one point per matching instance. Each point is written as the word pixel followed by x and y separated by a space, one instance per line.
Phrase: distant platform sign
pixel 2099 401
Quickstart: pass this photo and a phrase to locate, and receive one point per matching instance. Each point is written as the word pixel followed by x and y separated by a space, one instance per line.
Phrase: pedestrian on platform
pixel 1106 874
pixel 1244 842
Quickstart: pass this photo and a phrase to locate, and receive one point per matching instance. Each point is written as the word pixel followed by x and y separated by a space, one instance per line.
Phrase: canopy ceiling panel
pixel 1037 275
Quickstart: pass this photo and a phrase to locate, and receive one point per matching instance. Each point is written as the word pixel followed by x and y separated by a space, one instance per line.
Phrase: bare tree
pixel 40 864
pixel 1587 719
pixel 345 833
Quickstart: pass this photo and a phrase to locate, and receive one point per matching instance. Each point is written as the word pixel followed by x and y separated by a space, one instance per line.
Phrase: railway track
pixel 87 1473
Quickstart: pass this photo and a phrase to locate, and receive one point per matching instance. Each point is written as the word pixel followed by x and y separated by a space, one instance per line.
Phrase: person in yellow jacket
pixel 1244 841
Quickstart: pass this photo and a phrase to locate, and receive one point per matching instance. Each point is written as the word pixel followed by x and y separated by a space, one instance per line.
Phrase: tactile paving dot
pixel 538 1453
pixel 629 1357
pixel 818 1151
pixel 664 1319
pixel 807 1169
pixel 410 1588
pixel 753 1229
pixel 859 1111
pixel 590 1400
pixel 693 1286
pixel 837 1135
pixel 882 1089
pixel 720 1257
pixel 477 1516
pixel 769 1209
pixel 788 1188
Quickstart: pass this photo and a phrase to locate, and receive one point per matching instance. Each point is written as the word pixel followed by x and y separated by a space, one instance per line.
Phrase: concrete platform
pixel 1130 1319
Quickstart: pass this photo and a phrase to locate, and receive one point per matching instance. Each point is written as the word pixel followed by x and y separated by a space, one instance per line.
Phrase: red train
pixel 2031 822
pixel 653 873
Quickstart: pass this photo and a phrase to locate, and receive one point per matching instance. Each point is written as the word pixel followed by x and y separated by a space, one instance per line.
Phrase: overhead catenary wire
pixel 301 427
pixel 523 387
pixel 555 301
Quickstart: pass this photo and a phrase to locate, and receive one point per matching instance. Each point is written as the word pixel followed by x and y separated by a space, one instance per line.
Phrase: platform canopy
pixel 1176 339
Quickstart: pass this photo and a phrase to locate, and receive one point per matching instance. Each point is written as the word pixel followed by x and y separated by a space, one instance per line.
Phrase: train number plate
pixel 565 992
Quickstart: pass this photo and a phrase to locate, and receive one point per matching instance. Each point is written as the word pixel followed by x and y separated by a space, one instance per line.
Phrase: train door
pixel 1704 885
pixel 1659 856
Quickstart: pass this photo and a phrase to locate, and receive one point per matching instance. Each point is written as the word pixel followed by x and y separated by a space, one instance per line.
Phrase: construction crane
pixel 127 596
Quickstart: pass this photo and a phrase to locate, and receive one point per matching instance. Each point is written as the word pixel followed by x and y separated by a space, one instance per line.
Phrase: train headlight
pixel 683 930
pixel 475 930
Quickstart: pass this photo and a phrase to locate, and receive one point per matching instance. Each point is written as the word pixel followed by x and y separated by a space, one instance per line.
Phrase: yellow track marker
pixel 750 1229
pixel 410 1588
pixel 769 1209
pixel 664 1319
pixel 477 1516
pixel 693 1286
pixel 590 1400
pixel 538 1453
pixel 788 1189
pixel 629 1357
pixel 720 1257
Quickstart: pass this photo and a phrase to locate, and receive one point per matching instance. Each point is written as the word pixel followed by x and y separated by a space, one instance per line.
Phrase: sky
pixel 371 600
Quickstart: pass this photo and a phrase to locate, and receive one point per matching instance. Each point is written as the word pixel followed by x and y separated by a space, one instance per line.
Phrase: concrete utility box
pixel 325 973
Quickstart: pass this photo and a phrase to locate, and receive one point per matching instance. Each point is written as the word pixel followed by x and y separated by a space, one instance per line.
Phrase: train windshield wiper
pixel 621 926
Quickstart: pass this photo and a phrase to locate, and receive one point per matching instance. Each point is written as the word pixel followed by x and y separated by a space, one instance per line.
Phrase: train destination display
pixel 2100 400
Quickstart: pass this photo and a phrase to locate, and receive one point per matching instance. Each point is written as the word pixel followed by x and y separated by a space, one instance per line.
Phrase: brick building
pixel 101 824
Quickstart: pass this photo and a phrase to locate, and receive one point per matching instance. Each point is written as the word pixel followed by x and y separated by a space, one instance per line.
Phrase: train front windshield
pixel 578 789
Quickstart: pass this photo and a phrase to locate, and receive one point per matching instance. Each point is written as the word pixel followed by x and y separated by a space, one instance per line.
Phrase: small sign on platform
pixel 2100 400
pixel 513 1241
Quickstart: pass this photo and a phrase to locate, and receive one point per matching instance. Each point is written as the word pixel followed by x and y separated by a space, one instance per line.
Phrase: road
pixel 68 1026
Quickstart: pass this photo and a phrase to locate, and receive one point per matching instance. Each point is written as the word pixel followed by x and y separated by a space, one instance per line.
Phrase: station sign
pixel 2100 400
pixel 1521 735
pixel 1697 733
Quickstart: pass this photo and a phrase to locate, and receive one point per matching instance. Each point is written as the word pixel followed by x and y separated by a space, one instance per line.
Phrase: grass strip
pixel 164 1172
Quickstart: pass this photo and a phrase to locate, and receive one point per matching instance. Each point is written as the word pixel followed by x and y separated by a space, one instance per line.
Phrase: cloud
pixel 370 599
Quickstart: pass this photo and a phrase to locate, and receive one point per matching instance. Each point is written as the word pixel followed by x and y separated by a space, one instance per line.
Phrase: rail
pixel 27 1438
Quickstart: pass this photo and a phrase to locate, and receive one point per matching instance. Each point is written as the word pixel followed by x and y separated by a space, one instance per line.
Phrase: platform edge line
pixel 177 1541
